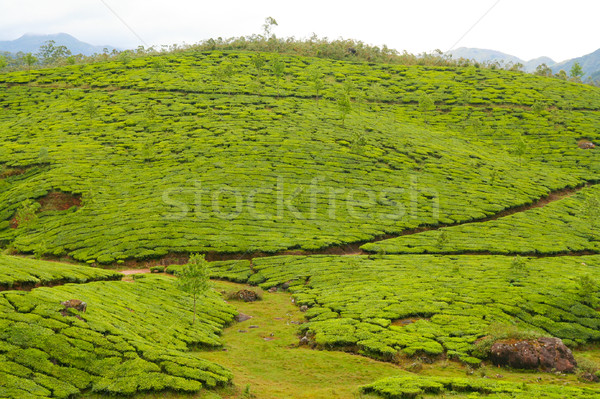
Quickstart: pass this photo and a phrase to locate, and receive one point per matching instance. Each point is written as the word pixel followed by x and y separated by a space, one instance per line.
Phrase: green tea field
pixel 395 222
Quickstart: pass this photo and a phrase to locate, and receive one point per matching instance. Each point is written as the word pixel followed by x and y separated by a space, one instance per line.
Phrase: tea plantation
pixel 167 155
pixel 423 304
pixel 134 336
pixel 569 225
pixel 442 184
pixel 412 387
pixel 27 273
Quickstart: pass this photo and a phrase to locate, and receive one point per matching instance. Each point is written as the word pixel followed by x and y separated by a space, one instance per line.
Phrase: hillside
pixel 400 213
pixel 485 55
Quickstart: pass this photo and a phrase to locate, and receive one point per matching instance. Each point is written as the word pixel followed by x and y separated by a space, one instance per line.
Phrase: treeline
pixel 50 55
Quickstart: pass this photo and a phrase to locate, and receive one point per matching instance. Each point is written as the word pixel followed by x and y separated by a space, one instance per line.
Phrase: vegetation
pixel 211 159
pixel 230 152
pixel 569 225
pixel 416 386
pixel 194 279
pixel 134 336
pixel 389 306
pixel 28 273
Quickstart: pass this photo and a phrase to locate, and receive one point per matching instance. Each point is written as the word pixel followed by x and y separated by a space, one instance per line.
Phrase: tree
pixel 194 278
pixel 29 60
pixel 3 61
pixel 345 106
pixel 268 27
pixel 426 104
pixel 278 68
pixel 562 75
pixel 316 78
pixel 258 61
pixel 543 70
pixel 225 72
pixel 588 288
pixel 520 149
pixel 51 54
pixel 576 72
pixel 442 239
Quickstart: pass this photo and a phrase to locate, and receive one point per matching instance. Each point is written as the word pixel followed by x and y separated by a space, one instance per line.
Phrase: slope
pixel 175 154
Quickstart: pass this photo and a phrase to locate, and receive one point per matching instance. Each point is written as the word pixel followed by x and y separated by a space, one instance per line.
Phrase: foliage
pixel 265 151
pixel 134 337
pixel 16 272
pixel 194 278
pixel 411 386
pixel 569 225
pixel 382 306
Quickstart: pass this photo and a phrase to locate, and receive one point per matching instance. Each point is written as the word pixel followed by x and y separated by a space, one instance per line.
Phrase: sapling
pixel 194 278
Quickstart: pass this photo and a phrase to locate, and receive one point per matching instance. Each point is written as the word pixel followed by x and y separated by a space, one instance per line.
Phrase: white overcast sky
pixel 560 29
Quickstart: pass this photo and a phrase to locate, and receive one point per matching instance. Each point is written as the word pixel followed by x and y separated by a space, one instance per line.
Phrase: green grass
pixel 135 336
pixel 358 303
pixel 16 272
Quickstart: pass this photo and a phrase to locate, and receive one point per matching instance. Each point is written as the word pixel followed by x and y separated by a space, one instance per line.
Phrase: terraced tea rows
pixel 385 305
pixel 28 273
pixel 134 336
pixel 235 174
pixel 415 386
pixel 566 226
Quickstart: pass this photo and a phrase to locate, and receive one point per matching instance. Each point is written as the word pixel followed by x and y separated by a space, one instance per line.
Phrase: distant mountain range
pixel 30 43
pixel 590 63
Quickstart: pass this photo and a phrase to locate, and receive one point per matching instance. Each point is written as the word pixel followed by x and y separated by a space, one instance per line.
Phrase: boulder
pixel 247 295
pixel 545 354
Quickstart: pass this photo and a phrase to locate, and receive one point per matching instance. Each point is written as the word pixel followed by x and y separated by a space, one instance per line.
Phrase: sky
pixel 560 29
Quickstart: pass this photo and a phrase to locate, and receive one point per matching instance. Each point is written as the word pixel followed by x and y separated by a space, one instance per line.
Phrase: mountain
pixel 30 43
pixel 485 55
pixel 590 64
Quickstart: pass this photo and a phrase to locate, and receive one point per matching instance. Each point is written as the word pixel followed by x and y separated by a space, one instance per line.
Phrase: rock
pixel 273 289
pixel 246 295
pixel 586 145
pixel 304 341
pixel 545 354
pixel 589 377
pixel 303 308
pixel 242 317
pixel 242 331
pixel 253 326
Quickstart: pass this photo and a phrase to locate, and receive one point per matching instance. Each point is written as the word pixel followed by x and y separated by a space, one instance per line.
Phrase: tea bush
pixel 253 163
pixel 134 337
pixel 382 306
pixel 567 226
pixel 16 272
pixel 411 386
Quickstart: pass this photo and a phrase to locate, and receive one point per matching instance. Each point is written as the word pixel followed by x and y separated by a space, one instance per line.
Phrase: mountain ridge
pixel 31 42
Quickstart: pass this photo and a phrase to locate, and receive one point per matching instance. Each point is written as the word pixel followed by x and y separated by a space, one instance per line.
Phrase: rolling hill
pixel 406 211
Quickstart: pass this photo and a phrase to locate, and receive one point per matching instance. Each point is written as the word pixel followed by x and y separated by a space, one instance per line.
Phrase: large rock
pixel 544 353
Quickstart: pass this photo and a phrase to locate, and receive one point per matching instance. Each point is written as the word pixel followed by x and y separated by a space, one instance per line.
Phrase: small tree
pixel 3 61
pixel 27 213
pixel 316 78
pixel 442 239
pixel 587 290
pixel 194 278
pixel 345 106
pixel 225 72
pixel 268 27
pixel 259 62
pixel 543 70
pixel 278 68
pixel 426 104
pixel 576 72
